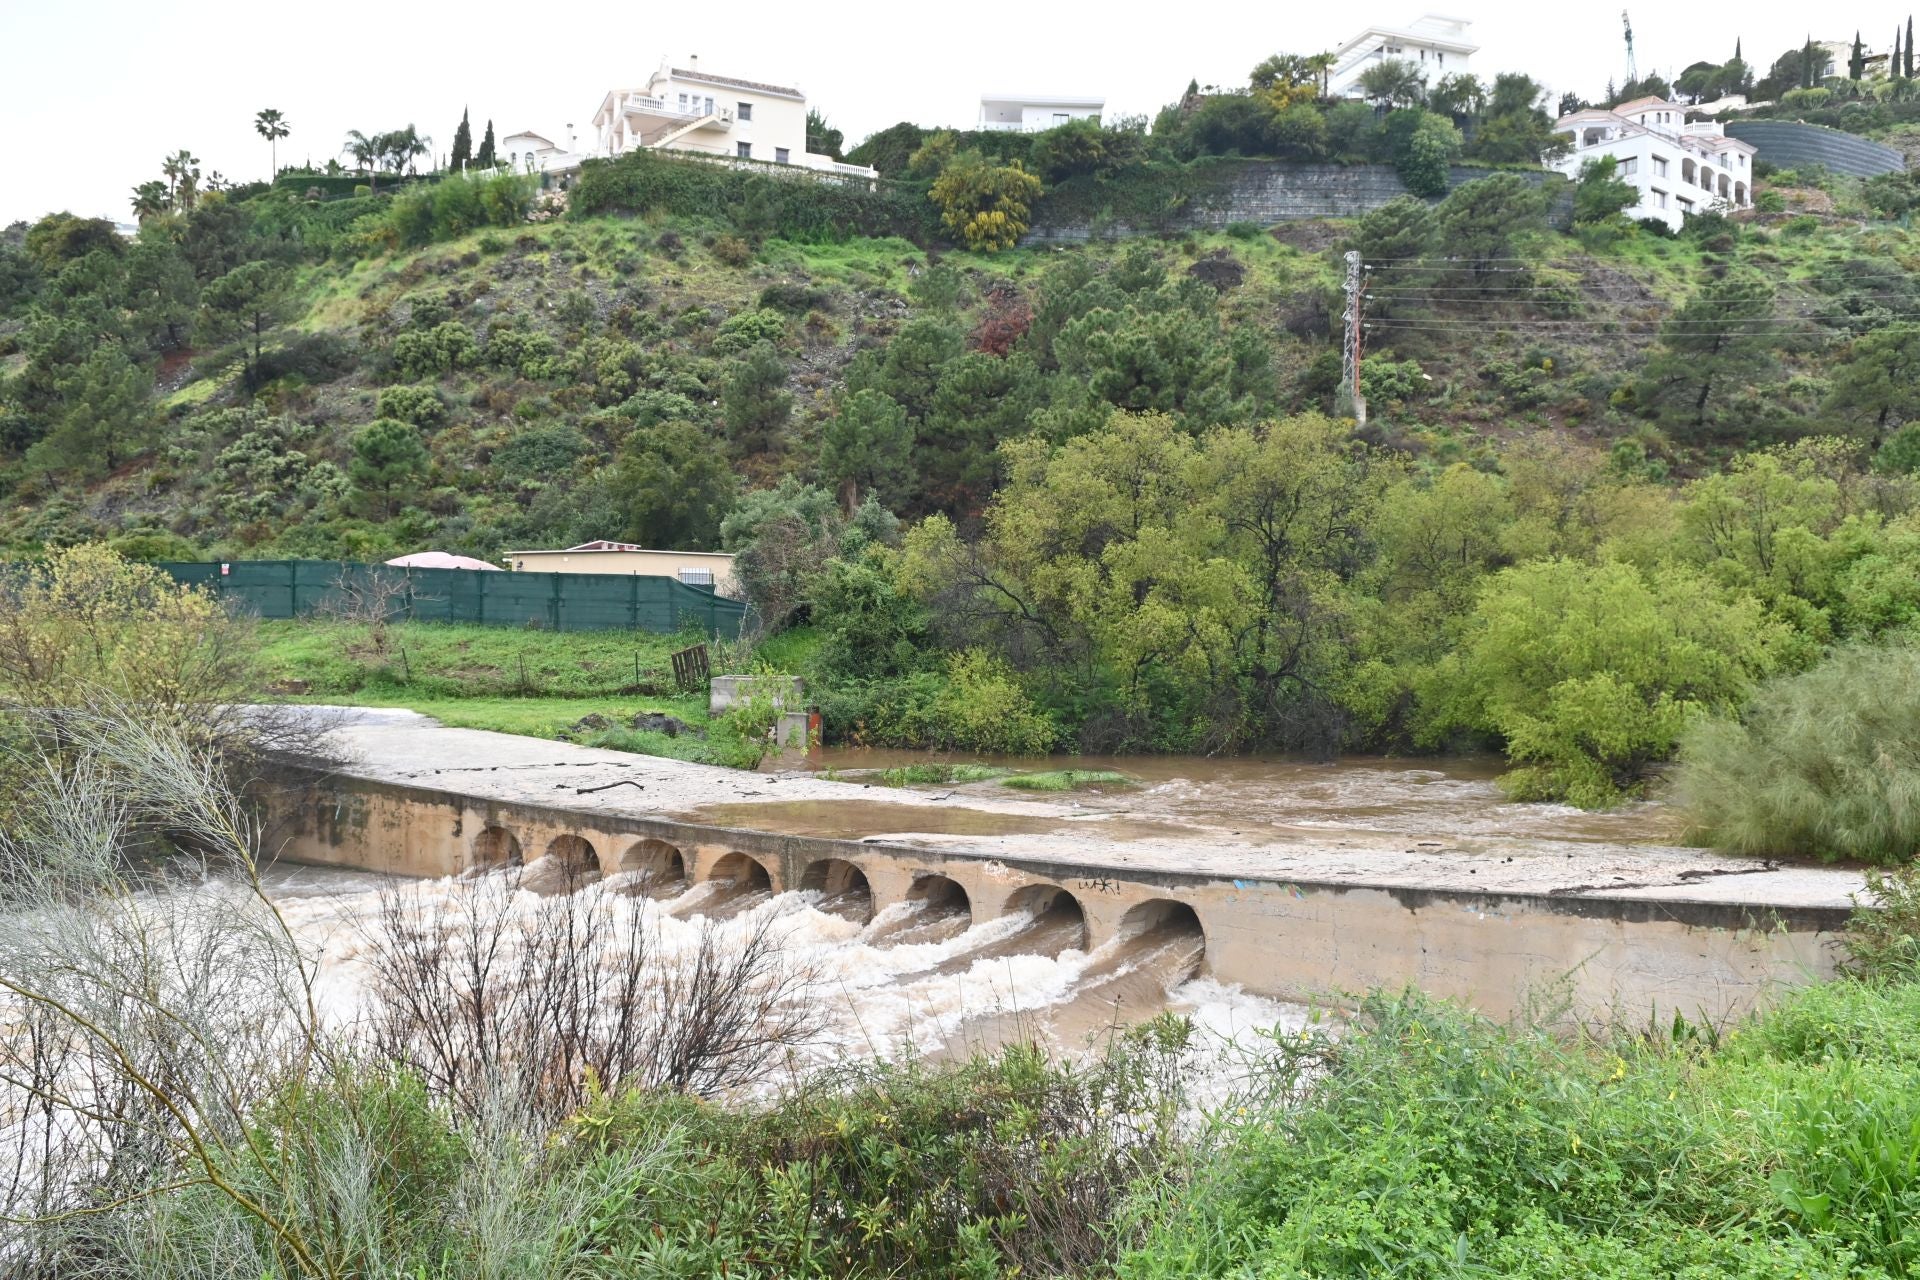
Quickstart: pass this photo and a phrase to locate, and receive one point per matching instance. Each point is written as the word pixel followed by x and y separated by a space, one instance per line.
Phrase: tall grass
pixel 1822 764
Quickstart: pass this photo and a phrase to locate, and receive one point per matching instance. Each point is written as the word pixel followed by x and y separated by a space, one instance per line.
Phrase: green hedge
pixel 339 186
pixel 792 204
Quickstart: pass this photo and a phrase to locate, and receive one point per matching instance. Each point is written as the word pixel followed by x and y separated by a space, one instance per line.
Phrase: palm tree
pixel 1320 66
pixel 404 146
pixel 272 126
pixel 176 167
pixel 365 151
pixel 150 200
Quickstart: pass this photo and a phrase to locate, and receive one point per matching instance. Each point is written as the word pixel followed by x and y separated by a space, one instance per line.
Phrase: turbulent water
pixel 917 978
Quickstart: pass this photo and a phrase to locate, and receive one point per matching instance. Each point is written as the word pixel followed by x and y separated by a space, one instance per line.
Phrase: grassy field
pixel 501 678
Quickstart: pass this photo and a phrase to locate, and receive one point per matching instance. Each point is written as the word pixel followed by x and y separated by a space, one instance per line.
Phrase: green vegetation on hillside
pixel 1085 499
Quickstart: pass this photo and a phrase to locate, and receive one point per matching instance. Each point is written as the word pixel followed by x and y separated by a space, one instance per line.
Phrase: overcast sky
pixel 94 94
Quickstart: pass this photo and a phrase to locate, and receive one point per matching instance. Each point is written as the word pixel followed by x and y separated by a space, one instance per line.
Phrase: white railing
pixel 658 107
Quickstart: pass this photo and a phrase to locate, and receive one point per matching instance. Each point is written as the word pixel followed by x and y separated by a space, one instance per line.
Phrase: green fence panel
pixel 555 601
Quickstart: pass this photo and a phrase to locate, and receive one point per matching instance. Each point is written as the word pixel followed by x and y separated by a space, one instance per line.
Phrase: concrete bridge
pixel 1631 930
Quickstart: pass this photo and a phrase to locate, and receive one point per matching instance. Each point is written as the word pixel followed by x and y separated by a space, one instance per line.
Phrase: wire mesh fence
pixel 553 601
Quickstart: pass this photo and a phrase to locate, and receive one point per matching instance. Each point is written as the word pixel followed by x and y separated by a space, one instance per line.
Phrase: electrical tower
pixel 1350 352
pixel 1633 71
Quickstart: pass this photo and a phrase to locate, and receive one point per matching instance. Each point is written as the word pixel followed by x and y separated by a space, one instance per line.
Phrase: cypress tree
pixel 1857 60
pixel 1907 67
pixel 1893 62
pixel 462 145
pixel 1806 63
pixel 483 159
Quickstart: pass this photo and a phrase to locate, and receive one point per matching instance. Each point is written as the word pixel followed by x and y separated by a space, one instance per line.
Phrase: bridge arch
pixel 659 864
pixel 741 870
pixel 1050 904
pixel 1161 915
pixel 575 852
pixel 940 893
pixel 843 884
pixel 493 848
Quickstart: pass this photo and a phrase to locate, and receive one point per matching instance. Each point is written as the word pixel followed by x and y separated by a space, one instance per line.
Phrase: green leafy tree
pixel 272 126
pixel 108 416
pixel 782 539
pixel 484 158
pixel 462 145
pixel 985 206
pixel 754 399
pixel 1427 154
pixel 1460 96
pixel 246 303
pixel 672 488
pixel 1600 193
pixel 161 293
pixel 1715 340
pixel 822 138
pixel 867 448
pixel 1590 673
pixel 389 465
pixel 1479 222
pixel 890 150
pixel 1878 381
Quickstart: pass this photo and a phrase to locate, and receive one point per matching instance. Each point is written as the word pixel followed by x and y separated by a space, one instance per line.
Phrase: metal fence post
pixel 293 588
pixel 553 604
pixel 480 595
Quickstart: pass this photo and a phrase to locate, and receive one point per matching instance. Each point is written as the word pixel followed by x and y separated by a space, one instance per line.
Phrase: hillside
pixel 1087 497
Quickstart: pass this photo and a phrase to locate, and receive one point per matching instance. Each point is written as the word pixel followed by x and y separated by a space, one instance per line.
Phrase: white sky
pixel 94 92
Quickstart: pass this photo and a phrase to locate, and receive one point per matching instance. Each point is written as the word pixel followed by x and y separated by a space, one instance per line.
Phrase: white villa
pixel 687 109
pixel 1678 168
pixel 1031 113
pixel 1434 43
pixel 529 152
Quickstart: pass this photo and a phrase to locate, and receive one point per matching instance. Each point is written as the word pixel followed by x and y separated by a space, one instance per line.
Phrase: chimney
pixel 693 62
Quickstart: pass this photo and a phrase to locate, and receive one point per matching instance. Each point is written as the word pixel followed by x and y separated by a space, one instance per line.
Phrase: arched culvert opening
pixel 575 853
pixel 742 872
pixel 943 896
pixel 659 866
pixel 842 887
pixel 1165 936
pixel 493 848
pixel 1059 923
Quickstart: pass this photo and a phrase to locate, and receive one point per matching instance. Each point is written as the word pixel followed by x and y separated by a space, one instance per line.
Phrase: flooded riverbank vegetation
pixel 534 1087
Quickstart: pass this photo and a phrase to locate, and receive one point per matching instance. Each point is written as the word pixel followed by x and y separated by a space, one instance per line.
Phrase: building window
pixel 744 150
pixel 746 111
pixel 1659 198
pixel 1659 166
pixel 697 577
pixel 1628 167
pixel 780 155
pixel 683 104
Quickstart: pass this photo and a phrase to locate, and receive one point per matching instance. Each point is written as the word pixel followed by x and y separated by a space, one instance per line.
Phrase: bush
pixel 732 250
pixel 793 206
pixel 985 206
pixel 793 299
pixel 1822 764
pixel 442 349
pixel 420 405
pixel 453 206
pixel 1591 672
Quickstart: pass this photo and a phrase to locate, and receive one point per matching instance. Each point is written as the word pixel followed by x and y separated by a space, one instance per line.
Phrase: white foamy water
pixel 914 980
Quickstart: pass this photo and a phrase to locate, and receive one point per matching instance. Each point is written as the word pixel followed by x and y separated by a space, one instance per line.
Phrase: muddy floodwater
pixel 1427 797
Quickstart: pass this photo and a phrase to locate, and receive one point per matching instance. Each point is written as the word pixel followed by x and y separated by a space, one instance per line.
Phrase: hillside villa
pixel 687 109
pixel 694 568
pixel 1032 113
pixel 1434 43
pixel 529 152
pixel 1678 168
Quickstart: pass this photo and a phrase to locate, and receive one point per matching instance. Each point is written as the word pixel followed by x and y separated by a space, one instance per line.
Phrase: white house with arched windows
pixel 1678 168
pixel 1434 44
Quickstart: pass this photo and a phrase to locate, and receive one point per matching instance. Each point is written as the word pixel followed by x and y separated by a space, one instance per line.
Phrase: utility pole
pixel 1350 351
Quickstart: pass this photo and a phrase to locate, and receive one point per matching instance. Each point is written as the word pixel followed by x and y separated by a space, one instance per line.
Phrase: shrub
pixel 1591 672
pixel 732 250
pixel 442 349
pixel 793 299
pixel 1825 763
pixel 985 206
pixel 420 405
pixel 749 329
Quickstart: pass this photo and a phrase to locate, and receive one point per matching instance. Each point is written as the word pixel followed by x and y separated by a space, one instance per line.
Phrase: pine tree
pixel 462 145
pixel 483 159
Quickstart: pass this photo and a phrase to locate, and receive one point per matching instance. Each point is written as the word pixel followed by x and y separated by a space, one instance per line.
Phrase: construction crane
pixel 1633 72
